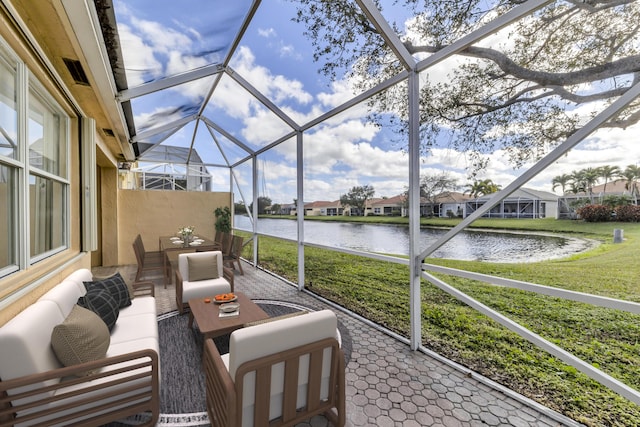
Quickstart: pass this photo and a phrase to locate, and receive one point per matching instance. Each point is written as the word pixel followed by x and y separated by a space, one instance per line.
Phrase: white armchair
pixel 277 373
pixel 199 275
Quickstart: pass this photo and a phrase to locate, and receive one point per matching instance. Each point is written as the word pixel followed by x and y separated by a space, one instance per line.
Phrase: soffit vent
pixel 108 132
pixel 76 71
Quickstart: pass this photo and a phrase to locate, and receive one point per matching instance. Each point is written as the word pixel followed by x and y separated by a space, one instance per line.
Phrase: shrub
pixel 223 219
pixel 595 213
pixel 579 203
pixel 628 213
pixel 613 201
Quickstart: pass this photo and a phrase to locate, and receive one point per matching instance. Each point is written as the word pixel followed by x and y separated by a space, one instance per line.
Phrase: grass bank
pixel 608 339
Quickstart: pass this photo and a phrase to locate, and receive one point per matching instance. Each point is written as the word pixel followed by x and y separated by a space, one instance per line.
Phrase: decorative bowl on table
pixel 229 307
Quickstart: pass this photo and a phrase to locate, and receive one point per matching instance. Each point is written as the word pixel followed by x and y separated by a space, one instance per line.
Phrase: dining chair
pixel 225 243
pixel 218 237
pixel 147 260
pixel 233 255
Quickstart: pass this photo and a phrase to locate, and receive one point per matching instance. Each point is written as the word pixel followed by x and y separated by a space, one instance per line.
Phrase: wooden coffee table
pixel 211 325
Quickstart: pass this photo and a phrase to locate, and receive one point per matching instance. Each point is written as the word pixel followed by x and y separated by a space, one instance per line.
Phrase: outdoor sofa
pixel 122 381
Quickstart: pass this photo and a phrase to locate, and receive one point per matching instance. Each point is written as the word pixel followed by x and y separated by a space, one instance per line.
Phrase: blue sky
pixel 166 38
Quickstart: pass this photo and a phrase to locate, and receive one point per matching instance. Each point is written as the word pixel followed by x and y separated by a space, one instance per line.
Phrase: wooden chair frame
pixel 224 395
pixel 80 400
pixel 227 273
pixel 233 255
pixel 147 260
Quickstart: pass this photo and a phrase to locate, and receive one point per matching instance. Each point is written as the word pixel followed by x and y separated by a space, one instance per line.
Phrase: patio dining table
pixel 172 246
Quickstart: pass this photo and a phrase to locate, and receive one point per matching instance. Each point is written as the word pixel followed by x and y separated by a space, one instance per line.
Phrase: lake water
pixel 470 245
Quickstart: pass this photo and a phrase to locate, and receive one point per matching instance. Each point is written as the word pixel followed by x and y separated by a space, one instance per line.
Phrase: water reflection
pixel 471 245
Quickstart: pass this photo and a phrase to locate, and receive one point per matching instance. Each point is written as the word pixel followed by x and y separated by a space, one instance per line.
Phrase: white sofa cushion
pixel 140 305
pixel 204 288
pixel 65 294
pixel 25 344
pixel 132 328
pixel 79 277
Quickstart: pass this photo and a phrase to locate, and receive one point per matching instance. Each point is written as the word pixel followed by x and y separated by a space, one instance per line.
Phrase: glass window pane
pixel 8 112
pixel 47 137
pixel 48 211
pixel 7 220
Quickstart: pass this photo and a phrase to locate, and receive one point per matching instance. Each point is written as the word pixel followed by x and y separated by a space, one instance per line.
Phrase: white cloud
pixel 289 51
pixel 274 87
pixel 341 92
pixel 263 127
pixel 159 37
pixel 267 32
pixel 138 56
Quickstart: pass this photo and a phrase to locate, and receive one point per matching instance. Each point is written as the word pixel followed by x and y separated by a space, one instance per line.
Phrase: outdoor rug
pixel 182 390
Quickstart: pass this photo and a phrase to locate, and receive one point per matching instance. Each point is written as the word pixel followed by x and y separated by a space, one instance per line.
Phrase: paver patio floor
pixel 387 383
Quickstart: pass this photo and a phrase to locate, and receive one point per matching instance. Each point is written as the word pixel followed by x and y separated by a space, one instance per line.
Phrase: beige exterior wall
pixel 42 276
pixel 155 213
pixel 108 214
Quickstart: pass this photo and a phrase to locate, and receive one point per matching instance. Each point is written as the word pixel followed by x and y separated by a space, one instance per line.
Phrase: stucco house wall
pixel 155 213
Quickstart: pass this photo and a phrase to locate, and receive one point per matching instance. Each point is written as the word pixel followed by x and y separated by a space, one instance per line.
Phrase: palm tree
pixel 578 184
pixel 475 190
pixel 607 173
pixel 482 188
pixel 590 178
pixel 562 181
pixel 630 175
pixel 491 187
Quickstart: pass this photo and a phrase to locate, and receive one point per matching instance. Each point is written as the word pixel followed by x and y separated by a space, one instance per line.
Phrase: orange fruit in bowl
pixel 224 297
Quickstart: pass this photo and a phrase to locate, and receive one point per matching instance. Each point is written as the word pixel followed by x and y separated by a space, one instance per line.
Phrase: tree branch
pixel 628 65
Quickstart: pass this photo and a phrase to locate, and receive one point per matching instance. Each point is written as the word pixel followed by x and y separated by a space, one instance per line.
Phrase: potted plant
pixel 223 219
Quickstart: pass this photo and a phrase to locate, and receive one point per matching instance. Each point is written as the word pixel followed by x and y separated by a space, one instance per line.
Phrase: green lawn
pixel 608 339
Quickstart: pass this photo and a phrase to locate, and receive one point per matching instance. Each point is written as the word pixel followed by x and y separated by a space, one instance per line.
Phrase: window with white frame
pixel 8 154
pixel 34 160
pixel 47 142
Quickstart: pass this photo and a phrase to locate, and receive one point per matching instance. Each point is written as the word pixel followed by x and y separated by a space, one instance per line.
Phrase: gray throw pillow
pixel 103 304
pixel 82 337
pixel 203 267
pixel 116 287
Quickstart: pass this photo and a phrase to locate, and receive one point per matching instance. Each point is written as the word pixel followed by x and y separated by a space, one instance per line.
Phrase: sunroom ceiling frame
pixel 262 98
pixel 227 135
pixel 158 85
pixel 387 33
pixel 164 128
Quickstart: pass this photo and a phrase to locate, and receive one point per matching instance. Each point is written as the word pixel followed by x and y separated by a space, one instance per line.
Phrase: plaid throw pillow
pixel 116 287
pixel 103 304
